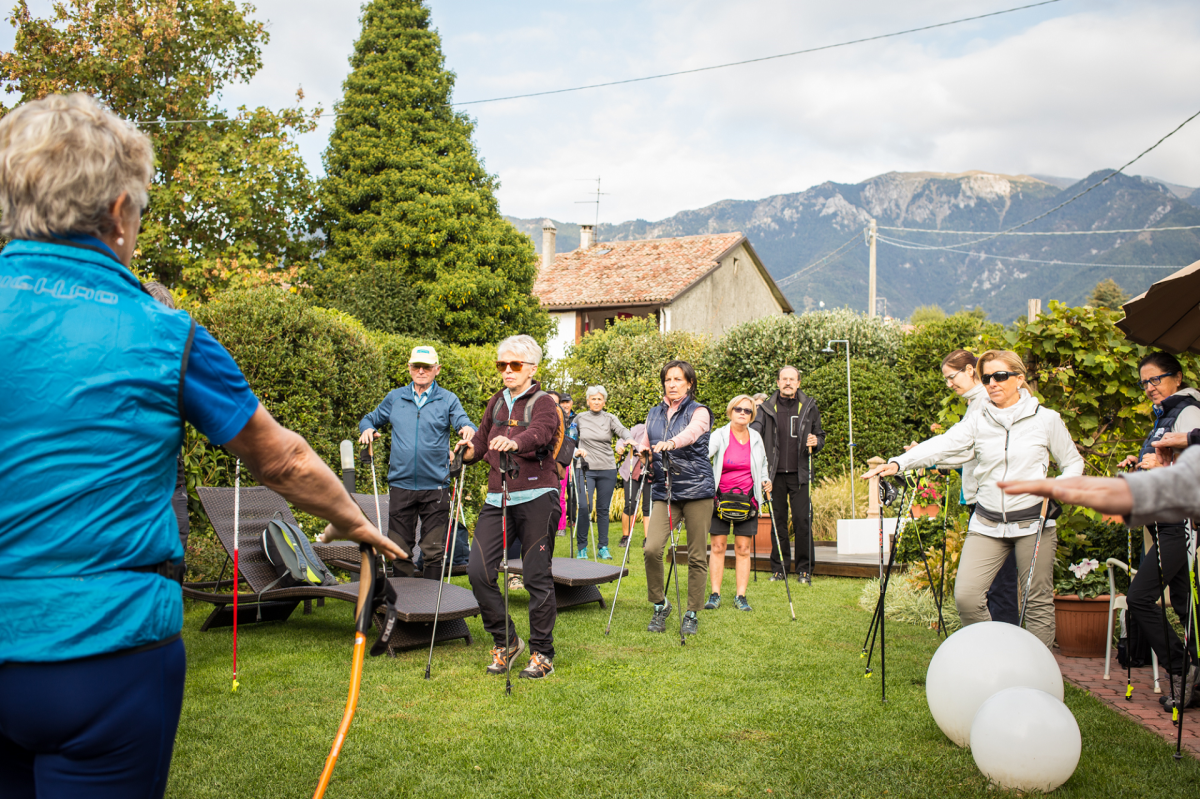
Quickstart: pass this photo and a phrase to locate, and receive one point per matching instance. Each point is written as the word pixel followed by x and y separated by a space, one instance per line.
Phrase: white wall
pixel 564 337
pixel 733 294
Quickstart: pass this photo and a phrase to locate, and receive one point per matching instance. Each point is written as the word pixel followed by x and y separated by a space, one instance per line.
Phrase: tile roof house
pixel 701 284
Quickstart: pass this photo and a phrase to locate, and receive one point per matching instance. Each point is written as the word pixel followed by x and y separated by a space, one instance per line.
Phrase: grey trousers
pixel 982 557
pixel 697 517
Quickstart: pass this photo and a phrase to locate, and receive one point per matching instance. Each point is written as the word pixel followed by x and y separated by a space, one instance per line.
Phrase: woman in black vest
pixel 1176 409
pixel 680 426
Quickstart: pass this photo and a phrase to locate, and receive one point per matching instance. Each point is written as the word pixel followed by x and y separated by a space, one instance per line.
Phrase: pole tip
pixel 235 686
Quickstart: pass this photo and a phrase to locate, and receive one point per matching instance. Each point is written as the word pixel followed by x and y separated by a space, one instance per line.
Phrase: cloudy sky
pixel 1064 89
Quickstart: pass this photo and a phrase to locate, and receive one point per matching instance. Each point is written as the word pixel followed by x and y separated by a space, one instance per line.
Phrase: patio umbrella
pixel 1167 316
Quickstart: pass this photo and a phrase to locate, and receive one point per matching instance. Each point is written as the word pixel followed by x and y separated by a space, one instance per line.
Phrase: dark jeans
pixel 97 727
pixel 601 483
pixel 1171 542
pixel 1002 597
pixel 531 521
pixel 786 489
pixel 433 509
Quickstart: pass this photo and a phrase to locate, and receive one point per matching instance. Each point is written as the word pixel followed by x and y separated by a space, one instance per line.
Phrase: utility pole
pixel 871 279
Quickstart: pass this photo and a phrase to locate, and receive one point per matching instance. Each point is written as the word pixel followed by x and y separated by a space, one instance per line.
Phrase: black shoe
pixel 658 622
pixel 624 541
pixel 776 577
pixel 690 623
pixel 714 601
pixel 501 658
pixel 805 578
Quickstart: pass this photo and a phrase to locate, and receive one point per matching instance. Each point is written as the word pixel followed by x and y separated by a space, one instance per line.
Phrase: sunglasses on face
pixel 516 366
pixel 999 377
pixel 421 367
pixel 747 411
pixel 1153 381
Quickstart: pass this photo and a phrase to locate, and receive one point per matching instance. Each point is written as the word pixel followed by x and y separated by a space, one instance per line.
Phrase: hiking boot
pixel 624 542
pixel 741 604
pixel 804 578
pixel 581 555
pixel 714 601
pixel 516 584
pixel 690 623
pixel 1185 688
pixel 658 622
pixel 539 666
pixel 605 554
pixel 776 576
pixel 501 658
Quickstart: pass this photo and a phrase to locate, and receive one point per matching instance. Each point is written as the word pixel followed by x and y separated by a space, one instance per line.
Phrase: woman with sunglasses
pixel 739 465
pixel 1011 437
pixel 1176 409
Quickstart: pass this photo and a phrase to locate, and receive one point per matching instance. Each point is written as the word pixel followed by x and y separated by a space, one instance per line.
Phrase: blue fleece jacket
pixel 420 436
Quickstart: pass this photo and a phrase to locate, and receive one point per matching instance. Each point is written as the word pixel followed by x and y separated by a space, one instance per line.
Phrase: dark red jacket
pixel 543 427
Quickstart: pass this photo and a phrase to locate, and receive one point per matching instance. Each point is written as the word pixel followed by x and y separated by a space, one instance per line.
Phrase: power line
pixel 674 74
pixel 1065 203
pixel 926 247
pixel 1028 233
pixel 757 60
pixel 803 270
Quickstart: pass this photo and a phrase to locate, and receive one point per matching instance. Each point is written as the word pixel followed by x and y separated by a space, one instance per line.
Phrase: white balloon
pixel 978 661
pixel 1026 740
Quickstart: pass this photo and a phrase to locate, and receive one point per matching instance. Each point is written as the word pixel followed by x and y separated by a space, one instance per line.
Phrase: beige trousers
pixel 697 517
pixel 982 557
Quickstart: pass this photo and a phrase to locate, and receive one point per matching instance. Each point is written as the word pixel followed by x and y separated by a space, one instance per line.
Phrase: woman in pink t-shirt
pixel 739 462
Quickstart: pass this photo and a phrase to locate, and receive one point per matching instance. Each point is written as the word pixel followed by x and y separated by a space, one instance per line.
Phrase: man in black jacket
pixel 789 422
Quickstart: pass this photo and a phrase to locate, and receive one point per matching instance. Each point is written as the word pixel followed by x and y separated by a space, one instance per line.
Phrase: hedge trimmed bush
pixel 879 414
pixel 747 359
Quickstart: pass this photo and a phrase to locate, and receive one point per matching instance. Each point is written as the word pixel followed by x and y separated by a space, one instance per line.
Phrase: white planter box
pixel 861 536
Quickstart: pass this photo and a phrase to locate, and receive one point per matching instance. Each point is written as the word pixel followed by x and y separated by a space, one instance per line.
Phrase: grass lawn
pixel 754 705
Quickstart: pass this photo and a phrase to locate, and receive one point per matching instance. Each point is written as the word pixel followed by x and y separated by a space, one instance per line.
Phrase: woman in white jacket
pixel 739 463
pixel 1012 437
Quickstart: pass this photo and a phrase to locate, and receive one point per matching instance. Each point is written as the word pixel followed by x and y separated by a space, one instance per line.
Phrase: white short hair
pixel 521 345
pixel 601 390
pixel 64 160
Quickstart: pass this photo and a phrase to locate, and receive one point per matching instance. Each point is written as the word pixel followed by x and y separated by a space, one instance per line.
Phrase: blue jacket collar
pixel 86 249
pixel 407 392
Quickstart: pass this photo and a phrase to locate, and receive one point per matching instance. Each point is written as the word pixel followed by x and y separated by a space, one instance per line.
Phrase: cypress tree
pixel 407 204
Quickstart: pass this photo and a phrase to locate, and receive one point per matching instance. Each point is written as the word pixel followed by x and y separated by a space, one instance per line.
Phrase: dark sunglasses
pixel 421 367
pixel 999 377
pixel 1153 381
pixel 504 366
pixel 740 409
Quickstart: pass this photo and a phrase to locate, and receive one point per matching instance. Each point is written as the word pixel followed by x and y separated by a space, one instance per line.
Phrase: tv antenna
pixel 596 201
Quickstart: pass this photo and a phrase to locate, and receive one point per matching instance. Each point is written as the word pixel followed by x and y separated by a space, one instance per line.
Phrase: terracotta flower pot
pixel 926 510
pixel 1081 625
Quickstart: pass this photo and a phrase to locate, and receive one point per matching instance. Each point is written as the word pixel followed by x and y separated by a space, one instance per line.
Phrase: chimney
pixel 587 234
pixel 549 234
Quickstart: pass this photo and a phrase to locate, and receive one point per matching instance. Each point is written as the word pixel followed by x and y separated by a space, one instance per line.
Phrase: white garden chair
pixel 1118 603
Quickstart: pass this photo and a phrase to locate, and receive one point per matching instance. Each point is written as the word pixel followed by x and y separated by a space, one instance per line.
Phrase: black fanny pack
pixel 734 506
pixel 1053 511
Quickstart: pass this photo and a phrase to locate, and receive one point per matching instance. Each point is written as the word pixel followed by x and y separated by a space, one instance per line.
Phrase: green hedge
pixel 919 361
pixel 879 413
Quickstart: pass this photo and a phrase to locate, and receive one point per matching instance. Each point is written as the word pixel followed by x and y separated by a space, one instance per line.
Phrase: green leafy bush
pixel 747 359
pixel 880 426
pixel 919 362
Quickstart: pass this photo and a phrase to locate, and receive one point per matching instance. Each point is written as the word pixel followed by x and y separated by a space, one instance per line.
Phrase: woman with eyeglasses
pixel 1011 437
pixel 1176 409
pixel 739 465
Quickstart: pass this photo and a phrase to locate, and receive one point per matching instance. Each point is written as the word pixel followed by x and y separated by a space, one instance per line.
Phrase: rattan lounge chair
pixel 416 599
pixel 575 579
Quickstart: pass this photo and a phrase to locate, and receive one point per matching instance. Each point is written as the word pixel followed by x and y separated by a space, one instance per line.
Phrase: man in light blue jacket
pixel 422 415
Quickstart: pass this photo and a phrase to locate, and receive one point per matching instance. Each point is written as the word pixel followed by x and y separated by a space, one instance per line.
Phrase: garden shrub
pixel 748 357
pixel 880 426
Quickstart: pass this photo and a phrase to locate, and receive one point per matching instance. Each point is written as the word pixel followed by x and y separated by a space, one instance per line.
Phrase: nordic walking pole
pixel 812 534
pixel 1189 551
pixel 779 549
pixel 505 465
pixel 362 623
pixel 941 592
pixel 237 510
pixel 456 467
pixel 625 557
pixel 368 454
pixel 1162 603
pixel 1037 543
pixel 667 466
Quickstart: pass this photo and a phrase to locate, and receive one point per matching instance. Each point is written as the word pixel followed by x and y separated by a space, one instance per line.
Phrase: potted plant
pixel 928 501
pixel 1080 608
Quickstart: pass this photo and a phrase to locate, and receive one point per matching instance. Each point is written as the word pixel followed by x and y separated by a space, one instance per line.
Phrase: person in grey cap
pixel 422 415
